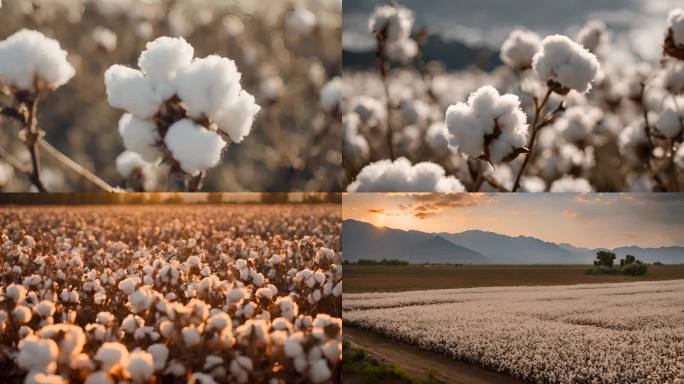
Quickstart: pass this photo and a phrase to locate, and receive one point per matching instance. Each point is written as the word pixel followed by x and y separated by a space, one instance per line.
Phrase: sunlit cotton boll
pixel 490 126
pixel 111 355
pixel 402 51
pixel 402 176
pixel 355 147
pixel 675 22
pixel 104 38
pixel 569 184
pixel 578 122
pixel 565 64
pixel 397 21
pixel 519 49
pixel 674 77
pixel 193 146
pixel 130 90
pixel 140 366
pixel 236 118
pixel 129 162
pixel 29 56
pixel 592 35
pixel 207 85
pixel 162 59
pixel 36 354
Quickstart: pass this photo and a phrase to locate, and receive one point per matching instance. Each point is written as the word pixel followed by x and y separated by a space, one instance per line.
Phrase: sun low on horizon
pixel 593 221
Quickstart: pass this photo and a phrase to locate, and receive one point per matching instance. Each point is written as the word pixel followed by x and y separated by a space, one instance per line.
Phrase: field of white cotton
pixel 170 95
pixel 559 114
pixel 140 294
pixel 590 333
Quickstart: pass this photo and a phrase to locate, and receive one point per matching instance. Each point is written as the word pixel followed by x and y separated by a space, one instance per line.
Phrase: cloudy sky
pixel 637 25
pixel 592 221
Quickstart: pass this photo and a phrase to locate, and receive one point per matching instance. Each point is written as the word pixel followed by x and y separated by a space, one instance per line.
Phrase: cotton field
pixel 232 294
pixel 590 333
pixel 560 114
pixel 168 95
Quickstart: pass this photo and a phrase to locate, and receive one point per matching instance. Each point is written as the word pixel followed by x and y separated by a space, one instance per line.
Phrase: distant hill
pixel 452 54
pixel 364 241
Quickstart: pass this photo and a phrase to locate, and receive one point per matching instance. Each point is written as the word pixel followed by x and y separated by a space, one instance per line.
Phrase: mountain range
pixel 361 240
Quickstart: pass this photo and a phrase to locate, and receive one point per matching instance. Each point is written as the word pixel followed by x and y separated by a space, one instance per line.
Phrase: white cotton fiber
pixel 111 354
pixel 128 162
pixel 162 59
pixel 468 123
pixel 519 48
pixel 577 123
pixel 301 20
pixel 592 35
pixel 140 366
pixel 236 118
pixel 27 55
pixel 569 184
pixel 566 63
pixel 675 22
pixel 130 90
pixel 140 136
pixel 331 94
pixel 207 85
pixel 193 146
pixel 397 20
pixel 36 354
pixel 671 119
pixel 355 148
pixel 401 176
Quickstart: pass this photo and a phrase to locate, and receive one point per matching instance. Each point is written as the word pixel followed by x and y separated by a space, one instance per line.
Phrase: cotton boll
pixel 489 125
pixel 671 120
pixel 162 59
pixel 566 64
pixel 369 110
pixel 301 21
pixel 355 149
pixel 592 35
pixel 569 184
pixel 240 368
pixel 140 136
pixel 331 95
pixel 320 372
pixel 71 339
pixel 193 146
pixel 236 118
pixel 141 300
pixel 396 21
pixel 128 162
pixel 15 292
pixel 519 49
pixel 578 122
pixel 207 85
pixel 130 90
pixel 45 308
pixel 400 175
pixel 104 38
pixel 533 184
pixel 111 355
pixel 191 336
pixel 27 56
pixel 128 285
pixel 99 377
pixel 402 51
pixel 633 142
pixel 21 314
pixel 36 354
pixel 43 378
pixel 674 77
pixel 414 111
pixel 675 22
pixel 140 366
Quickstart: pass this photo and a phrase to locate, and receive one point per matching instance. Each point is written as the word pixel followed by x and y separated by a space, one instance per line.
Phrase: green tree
pixel 604 258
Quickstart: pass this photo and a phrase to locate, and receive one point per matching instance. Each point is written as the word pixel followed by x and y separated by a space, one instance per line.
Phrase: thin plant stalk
pixel 74 166
pixel 536 125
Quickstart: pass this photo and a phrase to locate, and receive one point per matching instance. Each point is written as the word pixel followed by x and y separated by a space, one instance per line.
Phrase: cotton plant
pixel 181 111
pixel 674 39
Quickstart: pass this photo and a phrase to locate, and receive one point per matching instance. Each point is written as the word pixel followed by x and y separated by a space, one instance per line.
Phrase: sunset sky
pixel 592 221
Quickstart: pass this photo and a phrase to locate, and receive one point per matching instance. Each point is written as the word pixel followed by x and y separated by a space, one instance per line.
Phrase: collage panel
pixel 170 288
pixel 500 96
pixel 513 288
pixel 166 95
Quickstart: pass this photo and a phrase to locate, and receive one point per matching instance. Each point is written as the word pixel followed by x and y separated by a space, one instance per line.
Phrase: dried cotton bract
pixel 181 109
pixel 490 126
pixel 565 65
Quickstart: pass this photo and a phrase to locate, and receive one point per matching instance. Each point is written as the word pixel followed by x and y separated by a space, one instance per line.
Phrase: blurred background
pixel 287 50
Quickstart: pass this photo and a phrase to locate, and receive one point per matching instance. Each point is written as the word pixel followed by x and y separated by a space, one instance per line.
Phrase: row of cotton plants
pixel 562 114
pixel 246 294
pixel 262 93
pixel 598 333
pixel 591 333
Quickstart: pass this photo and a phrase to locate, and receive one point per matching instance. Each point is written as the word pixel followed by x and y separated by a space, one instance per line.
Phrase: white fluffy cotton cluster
pixel 675 22
pixel 402 176
pixel 394 24
pixel 578 122
pixel 355 147
pixel 301 21
pixel 331 95
pixel 519 48
pixel 565 64
pixel 489 126
pixel 569 184
pixel 592 35
pixel 30 60
pixel 202 97
pixel 671 120
pixel 130 164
